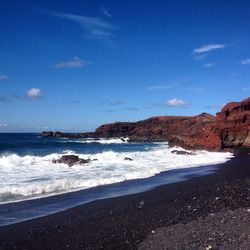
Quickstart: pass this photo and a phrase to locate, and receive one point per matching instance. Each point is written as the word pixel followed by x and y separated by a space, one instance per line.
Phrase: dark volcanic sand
pixel 221 230
pixel 128 222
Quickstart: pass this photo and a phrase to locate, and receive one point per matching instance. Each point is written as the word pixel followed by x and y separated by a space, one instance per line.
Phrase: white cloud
pixel 94 28
pixel 174 102
pixel 246 61
pixel 209 65
pixel 177 103
pixel 105 12
pixel 209 47
pixel 3 77
pixel 75 62
pixel 34 94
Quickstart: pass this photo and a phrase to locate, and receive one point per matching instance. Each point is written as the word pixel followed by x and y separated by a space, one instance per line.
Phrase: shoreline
pixel 23 210
pixel 124 222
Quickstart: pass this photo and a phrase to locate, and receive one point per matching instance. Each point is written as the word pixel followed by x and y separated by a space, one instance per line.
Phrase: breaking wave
pixel 99 140
pixel 28 177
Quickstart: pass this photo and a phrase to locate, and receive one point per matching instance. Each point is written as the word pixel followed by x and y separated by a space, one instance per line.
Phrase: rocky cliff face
pixel 234 124
pixel 230 128
pixel 191 132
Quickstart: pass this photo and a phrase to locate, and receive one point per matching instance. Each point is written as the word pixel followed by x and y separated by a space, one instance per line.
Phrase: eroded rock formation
pixel 234 124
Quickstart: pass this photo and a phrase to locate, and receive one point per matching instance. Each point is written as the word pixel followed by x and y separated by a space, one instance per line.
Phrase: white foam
pixel 35 176
pixel 99 140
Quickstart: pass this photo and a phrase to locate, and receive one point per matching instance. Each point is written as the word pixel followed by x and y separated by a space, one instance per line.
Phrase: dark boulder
pixel 47 134
pixel 181 152
pixel 128 159
pixel 71 160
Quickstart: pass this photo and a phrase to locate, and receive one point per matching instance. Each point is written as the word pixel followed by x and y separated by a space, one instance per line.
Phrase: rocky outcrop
pixel 67 135
pixel 71 160
pixel 185 131
pixel 229 128
pixel 234 124
pixel 47 134
pixel 182 152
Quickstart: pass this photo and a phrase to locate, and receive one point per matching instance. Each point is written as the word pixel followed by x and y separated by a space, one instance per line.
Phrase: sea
pixel 31 185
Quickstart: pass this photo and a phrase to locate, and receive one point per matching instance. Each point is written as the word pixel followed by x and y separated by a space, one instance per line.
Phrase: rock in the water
pixel 71 160
pixel 181 152
pixel 128 159
pixel 47 133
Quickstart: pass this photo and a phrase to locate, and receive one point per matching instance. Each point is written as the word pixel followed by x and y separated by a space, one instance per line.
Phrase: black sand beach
pixel 209 212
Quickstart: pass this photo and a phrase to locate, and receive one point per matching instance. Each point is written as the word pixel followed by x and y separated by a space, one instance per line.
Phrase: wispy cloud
pixel 209 65
pixel 3 77
pixel 75 62
pixel 105 12
pixel 161 87
pixel 246 61
pixel 34 94
pixel 209 47
pixel 94 28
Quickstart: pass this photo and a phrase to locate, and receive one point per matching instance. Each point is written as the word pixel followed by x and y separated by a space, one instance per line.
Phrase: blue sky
pixel 74 65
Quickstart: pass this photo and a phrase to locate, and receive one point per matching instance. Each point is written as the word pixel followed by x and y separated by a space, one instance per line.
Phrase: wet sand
pixel 146 219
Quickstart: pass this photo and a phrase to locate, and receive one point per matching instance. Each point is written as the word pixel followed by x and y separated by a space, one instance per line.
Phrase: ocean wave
pixel 27 177
pixel 99 140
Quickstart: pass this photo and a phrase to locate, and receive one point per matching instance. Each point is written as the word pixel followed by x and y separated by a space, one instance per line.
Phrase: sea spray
pixel 33 176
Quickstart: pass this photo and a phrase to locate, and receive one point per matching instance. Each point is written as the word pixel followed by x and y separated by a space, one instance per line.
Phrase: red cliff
pixel 186 131
pixel 234 124
pixel 230 128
